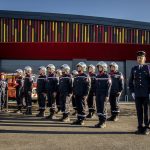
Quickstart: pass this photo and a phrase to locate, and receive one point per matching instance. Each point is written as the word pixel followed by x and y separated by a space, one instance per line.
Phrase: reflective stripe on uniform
pixel 100 114
pixel 102 78
pixel 79 115
pixel 115 111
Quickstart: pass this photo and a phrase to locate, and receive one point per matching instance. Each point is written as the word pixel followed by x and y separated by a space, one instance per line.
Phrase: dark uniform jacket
pixel 117 82
pixel 19 82
pixel 103 84
pixel 93 80
pixel 28 80
pixel 139 82
pixel 41 84
pixel 81 85
pixel 65 84
pixel 52 83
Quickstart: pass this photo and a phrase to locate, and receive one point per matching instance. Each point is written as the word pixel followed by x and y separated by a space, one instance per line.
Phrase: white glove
pixel 133 95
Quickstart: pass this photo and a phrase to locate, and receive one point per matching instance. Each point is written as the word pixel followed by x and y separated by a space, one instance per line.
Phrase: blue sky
pixel 122 9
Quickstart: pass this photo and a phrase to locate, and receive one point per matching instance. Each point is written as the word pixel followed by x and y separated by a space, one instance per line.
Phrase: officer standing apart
pixel 139 86
pixel 3 90
pixel 102 90
pixel 116 90
pixel 81 88
pixel 52 85
pixel 27 87
pixel 19 90
pixel 65 90
pixel 91 96
pixel 41 91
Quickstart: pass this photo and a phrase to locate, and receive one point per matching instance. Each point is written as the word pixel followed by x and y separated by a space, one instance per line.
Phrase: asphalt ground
pixel 20 132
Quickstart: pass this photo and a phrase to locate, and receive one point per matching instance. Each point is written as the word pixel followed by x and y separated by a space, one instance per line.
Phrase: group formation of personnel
pixel 61 87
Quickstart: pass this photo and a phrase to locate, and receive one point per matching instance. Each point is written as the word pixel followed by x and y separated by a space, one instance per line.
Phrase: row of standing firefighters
pixel 61 86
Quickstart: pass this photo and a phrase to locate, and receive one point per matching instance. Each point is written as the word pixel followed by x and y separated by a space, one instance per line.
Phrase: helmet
pixel 83 65
pixel 74 72
pixel 92 66
pixel 20 71
pixel 65 67
pixel 115 65
pixel 28 69
pixel 43 69
pixel 102 64
pixel 51 66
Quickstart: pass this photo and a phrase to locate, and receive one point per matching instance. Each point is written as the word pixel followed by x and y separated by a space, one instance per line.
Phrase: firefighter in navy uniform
pixel 74 74
pixel 27 89
pixel 102 91
pixel 91 96
pixel 19 90
pixel 81 88
pixel 58 75
pixel 52 87
pixel 65 89
pixel 139 86
pixel 42 91
pixel 116 90
pixel 3 90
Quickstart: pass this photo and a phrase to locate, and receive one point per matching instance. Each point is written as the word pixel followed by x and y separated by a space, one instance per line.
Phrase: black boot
pixel 100 124
pixel 51 116
pixel 140 130
pixel 146 131
pixel 89 115
pixel 65 118
pixel 30 111
pixel 111 118
pixel 27 111
pixel 19 111
pixel 78 122
pixel 41 113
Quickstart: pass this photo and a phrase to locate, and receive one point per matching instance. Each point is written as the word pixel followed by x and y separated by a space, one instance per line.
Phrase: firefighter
pixel 3 90
pixel 139 86
pixel 81 87
pixel 102 91
pixel 74 74
pixel 58 75
pixel 65 90
pixel 91 97
pixel 42 91
pixel 19 90
pixel 52 87
pixel 116 90
pixel 27 87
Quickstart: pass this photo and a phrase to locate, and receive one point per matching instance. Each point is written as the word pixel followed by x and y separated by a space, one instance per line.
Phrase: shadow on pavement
pixel 62 132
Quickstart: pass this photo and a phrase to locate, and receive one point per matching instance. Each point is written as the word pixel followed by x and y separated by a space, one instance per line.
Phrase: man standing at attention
pixel 139 86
